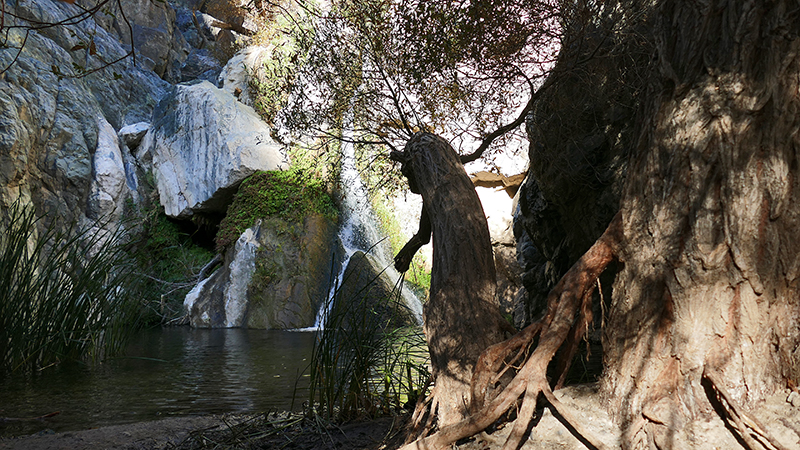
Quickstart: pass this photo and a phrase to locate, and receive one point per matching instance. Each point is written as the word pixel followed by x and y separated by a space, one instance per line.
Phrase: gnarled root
pixel 567 298
pixel 753 434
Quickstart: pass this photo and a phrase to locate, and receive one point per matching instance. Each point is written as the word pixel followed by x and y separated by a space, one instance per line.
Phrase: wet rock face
pixel 202 144
pixel 366 286
pixel 276 276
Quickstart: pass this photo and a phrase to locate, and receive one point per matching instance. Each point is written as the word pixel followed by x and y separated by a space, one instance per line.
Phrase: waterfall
pixel 360 230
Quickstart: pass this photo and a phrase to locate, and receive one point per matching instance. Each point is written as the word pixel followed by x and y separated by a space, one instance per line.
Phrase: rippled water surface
pixel 165 372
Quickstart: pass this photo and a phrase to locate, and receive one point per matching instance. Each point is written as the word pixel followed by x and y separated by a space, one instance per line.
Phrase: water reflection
pixel 165 372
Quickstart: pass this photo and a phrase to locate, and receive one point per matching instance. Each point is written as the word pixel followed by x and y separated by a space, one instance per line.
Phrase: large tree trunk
pixel 705 311
pixel 703 323
pixel 462 315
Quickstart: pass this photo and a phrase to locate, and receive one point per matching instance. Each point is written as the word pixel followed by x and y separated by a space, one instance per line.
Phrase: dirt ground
pixel 146 435
pixel 198 432
pixel 284 431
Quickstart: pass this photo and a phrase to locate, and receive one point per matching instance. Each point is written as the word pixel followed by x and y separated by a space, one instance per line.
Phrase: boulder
pixel 109 187
pixel 235 76
pixel 208 26
pixel 207 33
pixel 367 296
pixel 497 205
pixel 497 194
pixel 237 15
pixel 132 135
pixel 201 65
pixel 276 276
pixel 203 143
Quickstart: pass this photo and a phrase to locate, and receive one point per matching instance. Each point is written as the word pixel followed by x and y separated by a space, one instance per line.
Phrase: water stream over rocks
pixel 360 231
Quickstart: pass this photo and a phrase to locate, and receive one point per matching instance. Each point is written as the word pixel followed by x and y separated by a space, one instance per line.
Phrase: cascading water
pixel 360 231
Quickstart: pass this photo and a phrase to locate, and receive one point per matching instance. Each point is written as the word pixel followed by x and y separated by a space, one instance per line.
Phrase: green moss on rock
pixel 290 195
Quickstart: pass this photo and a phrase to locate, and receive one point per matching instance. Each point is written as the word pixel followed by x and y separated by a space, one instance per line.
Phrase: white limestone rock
pixel 203 143
pixel 242 269
pixel 108 186
pixel 132 135
pixel 497 206
pixel 234 77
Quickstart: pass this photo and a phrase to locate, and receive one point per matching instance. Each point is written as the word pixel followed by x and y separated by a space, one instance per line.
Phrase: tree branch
pixel 487 141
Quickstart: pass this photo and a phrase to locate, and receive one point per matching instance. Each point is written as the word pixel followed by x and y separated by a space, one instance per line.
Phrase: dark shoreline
pixel 139 435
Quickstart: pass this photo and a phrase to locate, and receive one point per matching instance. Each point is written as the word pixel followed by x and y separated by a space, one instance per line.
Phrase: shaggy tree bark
pixel 703 323
pixel 705 312
pixel 462 316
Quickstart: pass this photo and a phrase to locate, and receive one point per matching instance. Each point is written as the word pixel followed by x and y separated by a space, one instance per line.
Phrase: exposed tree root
pixel 564 411
pixel 555 329
pixel 753 434
pixel 424 404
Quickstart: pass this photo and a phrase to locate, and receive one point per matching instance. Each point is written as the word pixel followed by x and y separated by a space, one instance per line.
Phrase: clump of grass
pixel 67 294
pixel 241 432
pixel 361 366
pixel 290 195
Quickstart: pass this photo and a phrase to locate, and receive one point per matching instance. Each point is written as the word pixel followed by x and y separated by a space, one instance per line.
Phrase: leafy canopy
pixel 388 68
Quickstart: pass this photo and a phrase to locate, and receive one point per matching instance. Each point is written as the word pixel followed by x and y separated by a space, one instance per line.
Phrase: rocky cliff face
pixel 90 140
pixel 55 103
pixel 276 276
pixel 51 122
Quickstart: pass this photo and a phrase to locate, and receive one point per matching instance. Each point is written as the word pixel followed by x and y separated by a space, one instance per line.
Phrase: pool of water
pixel 164 372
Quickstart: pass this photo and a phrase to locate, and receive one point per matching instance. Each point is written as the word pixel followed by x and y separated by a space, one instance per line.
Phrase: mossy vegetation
pixel 290 195
pixel 170 260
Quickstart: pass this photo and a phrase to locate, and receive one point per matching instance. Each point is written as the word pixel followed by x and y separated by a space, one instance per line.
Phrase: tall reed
pixel 66 292
pixel 361 365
